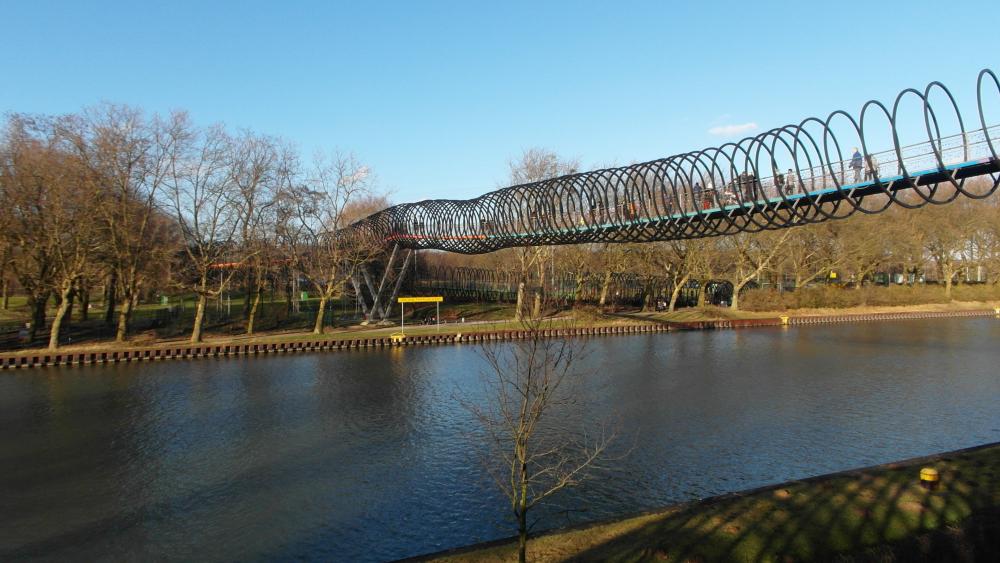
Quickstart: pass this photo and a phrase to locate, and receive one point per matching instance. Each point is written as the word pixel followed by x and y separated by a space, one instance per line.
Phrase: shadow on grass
pixel 873 514
pixel 862 515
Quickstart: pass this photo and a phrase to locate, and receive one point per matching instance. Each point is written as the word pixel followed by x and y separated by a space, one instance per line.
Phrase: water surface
pixel 366 455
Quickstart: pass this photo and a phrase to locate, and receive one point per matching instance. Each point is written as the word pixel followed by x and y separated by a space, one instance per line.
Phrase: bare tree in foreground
pixel 532 448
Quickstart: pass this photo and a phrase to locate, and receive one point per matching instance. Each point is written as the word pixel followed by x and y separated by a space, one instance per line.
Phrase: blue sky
pixel 437 96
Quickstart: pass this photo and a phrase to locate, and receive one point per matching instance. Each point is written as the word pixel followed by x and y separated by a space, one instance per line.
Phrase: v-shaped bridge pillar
pixel 390 282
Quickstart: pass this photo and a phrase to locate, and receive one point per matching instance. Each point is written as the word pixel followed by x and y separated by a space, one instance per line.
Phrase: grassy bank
pixel 348 333
pixel 878 513
pixel 476 318
pixel 456 317
pixel 712 313
pixel 836 297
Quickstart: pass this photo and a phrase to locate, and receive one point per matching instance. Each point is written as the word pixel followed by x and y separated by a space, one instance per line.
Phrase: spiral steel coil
pixel 738 187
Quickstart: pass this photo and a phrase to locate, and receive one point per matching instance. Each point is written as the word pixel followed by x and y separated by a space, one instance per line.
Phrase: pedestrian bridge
pixel 793 175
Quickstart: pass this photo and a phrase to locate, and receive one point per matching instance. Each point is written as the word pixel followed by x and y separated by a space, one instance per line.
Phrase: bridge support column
pixel 399 284
pixel 377 295
pixel 360 294
pixel 381 302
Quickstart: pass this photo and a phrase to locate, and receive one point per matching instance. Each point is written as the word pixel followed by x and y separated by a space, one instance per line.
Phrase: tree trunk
pixel 68 318
pixel 702 293
pixel 123 316
pixel 948 275
pixel 859 278
pixel 676 293
pixel 605 287
pixel 65 304
pixel 37 303
pixel 647 297
pixel 84 303
pixel 250 287
pixel 199 317
pixel 253 310
pixel 519 307
pixel 735 303
pixel 536 308
pixel 111 299
pixel 522 516
pixel 320 313
pixel 6 297
pixel 522 537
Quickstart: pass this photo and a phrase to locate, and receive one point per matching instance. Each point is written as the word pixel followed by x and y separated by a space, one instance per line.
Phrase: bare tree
pixel 809 253
pixel 24 196
pixel 325 255
pixel 862 245
pixel 678 259
pixel 531 451
pixel 262 169
pixel 947 236
pixel 49 200
pixel 534 165
pixel 76 239
pixel 578 259
pixel 204 202
pixel 989 241
pixel 748 255
pixel 615 259
pixel 129 155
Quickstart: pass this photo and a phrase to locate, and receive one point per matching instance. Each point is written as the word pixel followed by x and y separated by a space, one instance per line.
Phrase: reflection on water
pixel 366 456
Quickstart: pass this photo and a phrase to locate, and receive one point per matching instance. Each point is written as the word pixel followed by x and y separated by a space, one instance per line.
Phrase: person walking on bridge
pixel 857 164
pixel 872 172
pixel 791 182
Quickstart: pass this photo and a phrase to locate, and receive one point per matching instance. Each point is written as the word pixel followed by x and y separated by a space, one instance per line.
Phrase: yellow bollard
pixel 784 320
pixel 929 478
pixel 397 338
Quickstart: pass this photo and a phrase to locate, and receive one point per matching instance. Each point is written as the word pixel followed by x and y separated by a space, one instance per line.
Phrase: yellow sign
pixel 435 299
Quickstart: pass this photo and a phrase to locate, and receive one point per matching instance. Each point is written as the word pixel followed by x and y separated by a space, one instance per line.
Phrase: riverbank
pixel 874 513
pixel 711 313
pixel 364 337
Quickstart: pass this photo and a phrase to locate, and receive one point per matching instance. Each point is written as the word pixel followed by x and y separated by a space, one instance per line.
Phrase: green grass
pixel 881 513
pixel 18 309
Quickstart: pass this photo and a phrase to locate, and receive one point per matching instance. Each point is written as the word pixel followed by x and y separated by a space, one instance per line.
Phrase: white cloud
pixel 731 130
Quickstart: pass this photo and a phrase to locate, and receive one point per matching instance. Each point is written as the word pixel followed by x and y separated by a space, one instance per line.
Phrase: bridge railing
pixel 749 190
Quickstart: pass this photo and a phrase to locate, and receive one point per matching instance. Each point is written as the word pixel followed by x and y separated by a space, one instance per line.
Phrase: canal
pixel 367 455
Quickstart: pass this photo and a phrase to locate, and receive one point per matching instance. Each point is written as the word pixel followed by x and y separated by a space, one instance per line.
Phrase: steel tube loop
pixel 788 176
